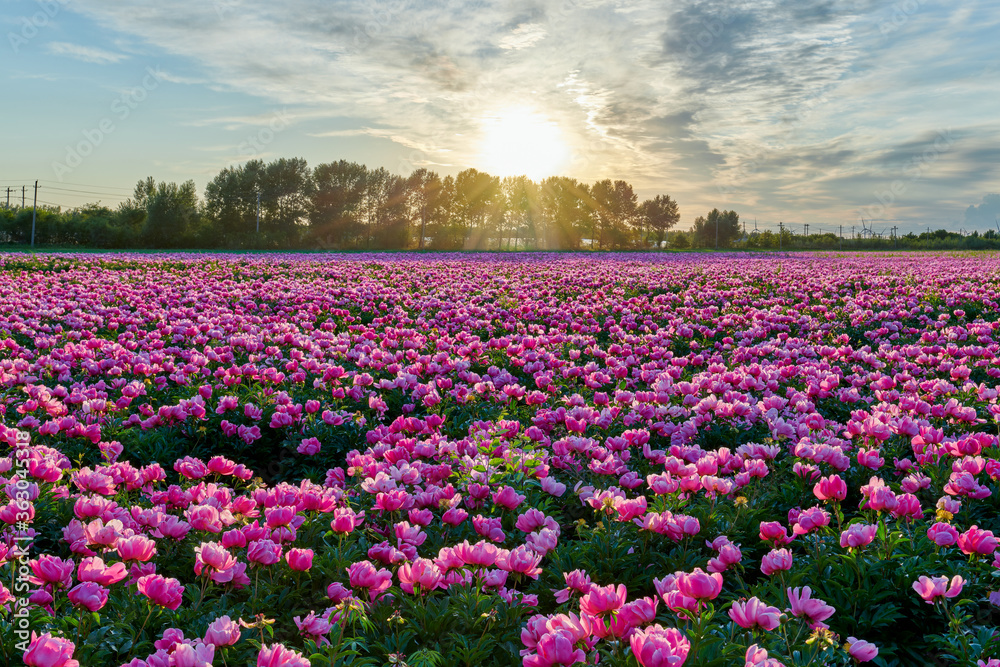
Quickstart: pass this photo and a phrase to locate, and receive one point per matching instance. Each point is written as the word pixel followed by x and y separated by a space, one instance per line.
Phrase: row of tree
pixel 346 205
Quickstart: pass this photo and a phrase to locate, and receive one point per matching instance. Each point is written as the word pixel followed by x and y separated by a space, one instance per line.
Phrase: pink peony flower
pixel 977 541
pixel 776 560
pixel 858 536
pixel 861 650
pixel 421 572
pixel 830 488
pixel 277 655
pixel 299 560
pixel 136 548
pixel 803 605
pixel 930 589
pixel 657 646
pixel 508 498
pixel 161 591
pixel 942 534
pixel 188 655
pixel 223 631
pixel 555 648
pixel 309 447
pixel 754 613
pixel 774 532
pixel 263 552
pixel 49 651
pixel 89 595
pixel 364 575
pixel 603 600
pixel 699 584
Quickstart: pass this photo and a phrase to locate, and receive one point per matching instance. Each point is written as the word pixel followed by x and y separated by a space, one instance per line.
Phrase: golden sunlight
pixel 520 141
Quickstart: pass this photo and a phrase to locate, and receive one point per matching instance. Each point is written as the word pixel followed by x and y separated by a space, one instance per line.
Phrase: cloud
pixel 985 214
pixel 523 36
pixel 87 54
pixel 780 108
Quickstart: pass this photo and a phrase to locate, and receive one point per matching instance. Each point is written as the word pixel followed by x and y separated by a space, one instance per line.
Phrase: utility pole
pixel 34 214
pixel 258 212
pixel 8 198
pixel 716 232
pixel 841 237
pixel 22 197
pixel 781 232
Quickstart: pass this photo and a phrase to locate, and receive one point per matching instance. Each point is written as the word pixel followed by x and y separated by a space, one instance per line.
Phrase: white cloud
pixel 796 105
pixel 523 36
pixel 87 54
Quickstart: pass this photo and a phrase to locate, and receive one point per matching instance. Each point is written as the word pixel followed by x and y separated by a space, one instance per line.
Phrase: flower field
pixel 282 460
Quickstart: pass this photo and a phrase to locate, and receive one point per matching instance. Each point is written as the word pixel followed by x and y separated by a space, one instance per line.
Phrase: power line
pixel 85 185
pixel 88 192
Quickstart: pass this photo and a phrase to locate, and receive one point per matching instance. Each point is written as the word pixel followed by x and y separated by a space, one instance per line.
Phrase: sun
pixel 520 141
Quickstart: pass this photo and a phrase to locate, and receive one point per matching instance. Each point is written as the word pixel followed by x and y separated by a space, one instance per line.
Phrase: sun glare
pixel 521 141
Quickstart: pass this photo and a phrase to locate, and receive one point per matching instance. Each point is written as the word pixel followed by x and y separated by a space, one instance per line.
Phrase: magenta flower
pixel 858 536
pixel 263 552
pixel 861 650
pixel 774 532
pixel 930 589
pixel 508 498
pixel 421 572
pixel 277 655
pixel 942 534
pixel 345 520
pixel 830 488
pixel 489 527
pixel 162 591
pixel 136 548
pixel 754 613
pixel 47 569
pixel 555 648
pixel 810 520
pixel 89 595
pixel 364 575
pixel 299 560
pixel 223 631
pixel 188 655
pixel 657 646
pixel 94 569
pixel 309 447
pixel 603 600
pixel 213 557
pixel 776 560
pixel 977 541
pixel 699 584
pixel 49 651
pixel 803 605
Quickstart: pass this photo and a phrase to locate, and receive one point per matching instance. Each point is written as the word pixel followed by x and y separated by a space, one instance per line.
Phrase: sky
pixel 822 112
